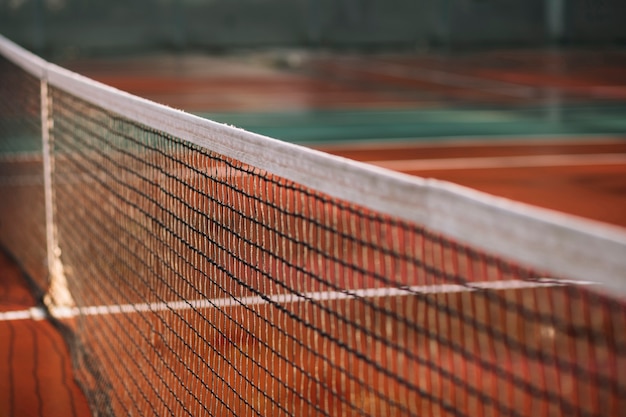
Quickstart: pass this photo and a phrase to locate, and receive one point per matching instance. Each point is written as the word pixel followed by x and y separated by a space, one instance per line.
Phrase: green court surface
pixel 313 127
pixel 21 144
pixel 328 126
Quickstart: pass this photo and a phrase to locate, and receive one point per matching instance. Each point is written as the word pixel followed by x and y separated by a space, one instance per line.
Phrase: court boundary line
pixel 59 312
pixel 446 78
pixel 501 162
pixel 473 141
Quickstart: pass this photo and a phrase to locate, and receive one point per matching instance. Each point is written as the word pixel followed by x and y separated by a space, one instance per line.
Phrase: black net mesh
pixel 209 287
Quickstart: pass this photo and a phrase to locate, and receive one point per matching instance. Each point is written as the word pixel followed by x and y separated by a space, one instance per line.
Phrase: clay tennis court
pixel 543 128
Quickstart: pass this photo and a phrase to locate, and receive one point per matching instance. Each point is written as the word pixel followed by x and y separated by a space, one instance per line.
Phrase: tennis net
pixel 198 269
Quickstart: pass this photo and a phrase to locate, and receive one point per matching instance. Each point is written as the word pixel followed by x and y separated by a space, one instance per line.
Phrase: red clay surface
pixel 36 376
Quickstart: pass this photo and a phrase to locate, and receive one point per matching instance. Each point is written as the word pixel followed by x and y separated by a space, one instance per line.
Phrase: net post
pixel 58 296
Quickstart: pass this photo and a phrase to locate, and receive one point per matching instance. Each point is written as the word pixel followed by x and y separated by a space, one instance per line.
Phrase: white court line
pixel 447 78
pixel 502 162
pixel 33 313
pixel 471 141
pixel 38 313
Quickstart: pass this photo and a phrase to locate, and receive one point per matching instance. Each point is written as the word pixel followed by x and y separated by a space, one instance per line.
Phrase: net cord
pixel 563 245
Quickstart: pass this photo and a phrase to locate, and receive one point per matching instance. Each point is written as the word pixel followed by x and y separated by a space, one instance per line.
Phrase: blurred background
pixel 91 26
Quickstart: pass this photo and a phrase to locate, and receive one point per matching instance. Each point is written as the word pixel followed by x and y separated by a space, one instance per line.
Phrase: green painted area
pixel 340 126
pixel 326 126
pixel 20 144
pixel 19 135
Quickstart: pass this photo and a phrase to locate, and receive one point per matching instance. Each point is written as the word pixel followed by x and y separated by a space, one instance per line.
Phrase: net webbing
pixel 21 170
pixel 206 285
